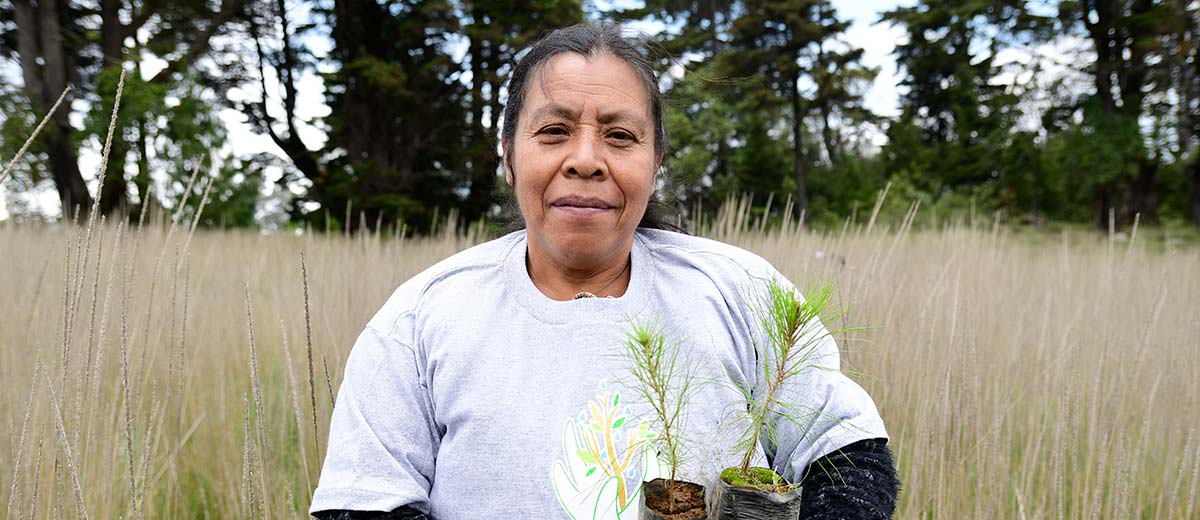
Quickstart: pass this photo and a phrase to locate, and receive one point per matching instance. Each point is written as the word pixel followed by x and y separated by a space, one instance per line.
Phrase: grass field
pixel 150 372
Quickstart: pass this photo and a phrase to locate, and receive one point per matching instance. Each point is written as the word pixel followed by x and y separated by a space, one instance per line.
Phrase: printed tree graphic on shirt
pixel 605 461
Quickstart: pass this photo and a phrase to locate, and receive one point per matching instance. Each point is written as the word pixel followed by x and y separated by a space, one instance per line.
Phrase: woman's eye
pixel 621 135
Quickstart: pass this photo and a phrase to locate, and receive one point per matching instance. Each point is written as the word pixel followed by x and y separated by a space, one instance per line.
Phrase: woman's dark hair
pixel 588 40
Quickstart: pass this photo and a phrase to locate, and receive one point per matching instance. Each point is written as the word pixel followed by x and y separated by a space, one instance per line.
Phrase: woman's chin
pixel 585 250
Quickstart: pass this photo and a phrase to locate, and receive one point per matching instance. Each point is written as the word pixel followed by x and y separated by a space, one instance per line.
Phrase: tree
pixel 702 25
pixel 700 118
pixel 768 41
pixel 1183 52
pixel 841 84
pixel 786 44
pixel 58 43
pixel 47 66
pixel 397 112
pixel 397 123
pixel 958 120
pixel 745 61
pixel 1127 36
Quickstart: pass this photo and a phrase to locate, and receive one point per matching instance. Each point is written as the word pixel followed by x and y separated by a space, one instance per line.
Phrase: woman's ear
pixel 506 162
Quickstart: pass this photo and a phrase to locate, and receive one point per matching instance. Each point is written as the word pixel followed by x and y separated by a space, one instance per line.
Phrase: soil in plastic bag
pixel 742 503
pixel 656 502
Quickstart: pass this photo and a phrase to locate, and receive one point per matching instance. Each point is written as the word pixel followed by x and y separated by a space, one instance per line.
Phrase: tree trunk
pixel 1192 171
pixel 142 180
pixel 831 146
pixel 482 174
pixel 1102 40
pixel 111 32
pixel 800 166
pixel 823 99
pixel 27 49
pixel 289 72
pixel 1144 193
pixel 114 195
pixel 38 35
pixel 54 70
pixel 1189 93
pixel 1102 206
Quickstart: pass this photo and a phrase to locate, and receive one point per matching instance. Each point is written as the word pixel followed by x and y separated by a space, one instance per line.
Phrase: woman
pixel 487 386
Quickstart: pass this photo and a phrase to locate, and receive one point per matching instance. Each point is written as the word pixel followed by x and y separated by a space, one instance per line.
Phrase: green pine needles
pixel 793 334
pixel 663 381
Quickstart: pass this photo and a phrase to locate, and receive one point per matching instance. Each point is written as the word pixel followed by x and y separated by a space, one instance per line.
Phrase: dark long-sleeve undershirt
pixel 858 481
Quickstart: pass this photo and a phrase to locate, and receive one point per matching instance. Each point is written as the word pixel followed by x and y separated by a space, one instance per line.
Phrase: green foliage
pixel 407 137
pixel 847 188
pixel 94 42
pixel 17 124
pixel 181 132
pixel 663 381
pixel 1089 159
pixel 957 122
pixel 762 164
pixel 698 120
pixel 792 330
pixel 397 115
pixel 234 197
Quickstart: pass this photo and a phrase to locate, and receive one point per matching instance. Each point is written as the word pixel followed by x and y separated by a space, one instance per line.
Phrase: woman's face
pixel 583 159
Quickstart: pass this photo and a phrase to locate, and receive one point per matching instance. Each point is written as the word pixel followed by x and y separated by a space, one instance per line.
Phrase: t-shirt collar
pixel 641 279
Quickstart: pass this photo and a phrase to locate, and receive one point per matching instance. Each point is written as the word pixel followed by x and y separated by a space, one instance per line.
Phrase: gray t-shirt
pixel 473 395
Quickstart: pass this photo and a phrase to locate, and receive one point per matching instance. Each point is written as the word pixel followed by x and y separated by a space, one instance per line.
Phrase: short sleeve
pixel 382 438
pixel 820 409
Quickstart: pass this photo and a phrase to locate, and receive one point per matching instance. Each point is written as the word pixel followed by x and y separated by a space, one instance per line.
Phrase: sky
pixel 876 39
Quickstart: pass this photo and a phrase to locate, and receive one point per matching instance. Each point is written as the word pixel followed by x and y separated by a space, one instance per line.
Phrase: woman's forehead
pixel 570 83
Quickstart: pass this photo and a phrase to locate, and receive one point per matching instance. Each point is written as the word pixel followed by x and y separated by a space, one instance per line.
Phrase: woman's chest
pixel 554 412
pixel 518 368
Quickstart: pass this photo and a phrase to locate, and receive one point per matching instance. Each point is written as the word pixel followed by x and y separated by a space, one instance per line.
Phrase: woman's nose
pixel 585 159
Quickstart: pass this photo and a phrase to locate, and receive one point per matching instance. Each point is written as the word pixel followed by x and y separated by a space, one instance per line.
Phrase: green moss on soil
pixel 757 478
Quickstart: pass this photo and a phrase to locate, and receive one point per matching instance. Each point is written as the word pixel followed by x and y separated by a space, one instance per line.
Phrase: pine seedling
pixel 663 381
pixel 793 333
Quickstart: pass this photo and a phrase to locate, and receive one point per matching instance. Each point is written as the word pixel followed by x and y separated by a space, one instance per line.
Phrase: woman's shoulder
pixel 482 259
pixel 673 250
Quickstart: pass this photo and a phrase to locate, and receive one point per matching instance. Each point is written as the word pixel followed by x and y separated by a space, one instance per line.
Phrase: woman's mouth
pixel 582 206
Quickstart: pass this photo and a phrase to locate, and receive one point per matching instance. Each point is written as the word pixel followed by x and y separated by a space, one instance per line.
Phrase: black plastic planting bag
pixel 739 503
pixel 657 488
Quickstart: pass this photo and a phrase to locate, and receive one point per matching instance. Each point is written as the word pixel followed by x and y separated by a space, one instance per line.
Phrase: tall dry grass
pixel 164 374
pixel 125 364
pixel 1041 376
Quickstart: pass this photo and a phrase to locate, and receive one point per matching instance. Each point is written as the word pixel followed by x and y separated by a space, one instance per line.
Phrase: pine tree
pixel 957 120
pixel 785 45
pixel 1127 36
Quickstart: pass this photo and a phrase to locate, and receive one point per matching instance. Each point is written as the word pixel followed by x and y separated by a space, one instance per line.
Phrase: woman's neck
pixel 564 282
